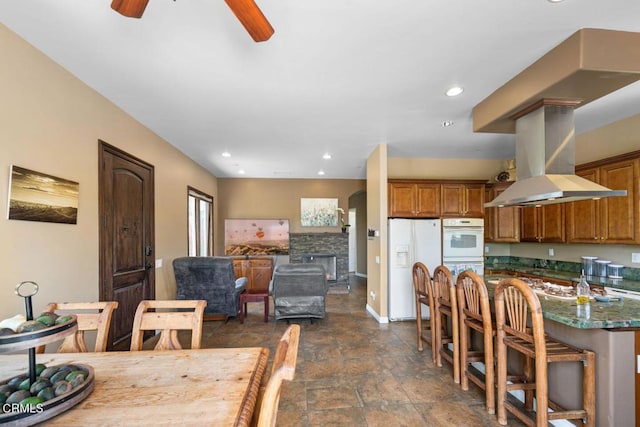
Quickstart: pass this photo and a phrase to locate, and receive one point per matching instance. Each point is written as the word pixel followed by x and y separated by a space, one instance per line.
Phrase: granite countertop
pixel 598 315
pixel 624 284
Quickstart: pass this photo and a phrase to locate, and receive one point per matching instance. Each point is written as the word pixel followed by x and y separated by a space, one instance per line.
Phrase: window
pixel 200 207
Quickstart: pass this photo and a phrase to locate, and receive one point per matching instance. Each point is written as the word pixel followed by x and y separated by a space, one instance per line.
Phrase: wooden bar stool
pixel 423 288
pixel 475 315
pixel 446 320
pixel 515 301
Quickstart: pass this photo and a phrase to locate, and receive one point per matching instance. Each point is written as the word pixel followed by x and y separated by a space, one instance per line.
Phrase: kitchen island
pixel 608 329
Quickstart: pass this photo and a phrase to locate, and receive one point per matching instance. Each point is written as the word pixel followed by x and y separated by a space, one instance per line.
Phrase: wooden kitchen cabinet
pixel 502 225
pixel 544 224
pixel 488 217
pixel 257 270
pixel 610 220
pixel 463 200
pixel 436 198
pixel 410 199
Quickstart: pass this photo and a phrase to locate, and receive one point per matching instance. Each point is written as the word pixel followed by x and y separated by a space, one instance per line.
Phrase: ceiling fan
pixel 247 12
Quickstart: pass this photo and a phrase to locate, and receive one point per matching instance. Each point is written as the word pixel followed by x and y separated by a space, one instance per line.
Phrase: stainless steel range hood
pixel 538 105
pixel 545 161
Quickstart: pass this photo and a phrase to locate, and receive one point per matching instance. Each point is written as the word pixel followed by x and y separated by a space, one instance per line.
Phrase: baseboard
pixel 376 316
pixel 364 276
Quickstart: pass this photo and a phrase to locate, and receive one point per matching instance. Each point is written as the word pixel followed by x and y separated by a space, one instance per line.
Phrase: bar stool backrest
pixel 444 288
pixel 473 298
pixel 422 284
pixel 515 303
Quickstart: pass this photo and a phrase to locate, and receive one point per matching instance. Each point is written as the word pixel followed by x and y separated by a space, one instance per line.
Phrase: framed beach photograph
pixel 36 196
pixel 319 212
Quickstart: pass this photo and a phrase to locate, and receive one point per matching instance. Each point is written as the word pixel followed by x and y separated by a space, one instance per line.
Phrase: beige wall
pixel 620 137
pixel 428 168
pixel 377 220
pixel 277 198
pixel 359 202
pixel 51 122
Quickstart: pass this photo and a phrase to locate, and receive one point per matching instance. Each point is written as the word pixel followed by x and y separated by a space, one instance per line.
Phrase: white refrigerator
pixel 410 240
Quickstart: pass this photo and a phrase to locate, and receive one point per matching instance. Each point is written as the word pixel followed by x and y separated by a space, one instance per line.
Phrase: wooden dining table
pixel 206 387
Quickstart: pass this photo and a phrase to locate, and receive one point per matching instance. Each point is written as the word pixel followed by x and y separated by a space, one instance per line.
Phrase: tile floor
pixel 353 371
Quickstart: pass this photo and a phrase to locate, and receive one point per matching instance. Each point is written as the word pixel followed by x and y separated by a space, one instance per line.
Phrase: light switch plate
pixel 635 257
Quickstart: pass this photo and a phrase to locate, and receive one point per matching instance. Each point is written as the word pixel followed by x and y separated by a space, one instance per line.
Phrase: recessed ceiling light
pixel 555 1
pixel 241 171
pixel 326 156
pixel 226 154
pixel 320 172
pixel 454 91
pixel 447 123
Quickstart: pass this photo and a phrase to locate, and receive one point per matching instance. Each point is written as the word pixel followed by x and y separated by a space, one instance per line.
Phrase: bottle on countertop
pixel 582 290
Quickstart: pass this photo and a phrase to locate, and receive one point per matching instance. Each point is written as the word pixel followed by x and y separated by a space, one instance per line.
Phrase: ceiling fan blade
pixel 130 8
pixel 251 17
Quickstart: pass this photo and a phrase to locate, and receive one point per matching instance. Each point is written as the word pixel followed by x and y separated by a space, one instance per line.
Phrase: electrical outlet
pixel 635 257
pixel 551 252
pixel 486 249
pixel 372 294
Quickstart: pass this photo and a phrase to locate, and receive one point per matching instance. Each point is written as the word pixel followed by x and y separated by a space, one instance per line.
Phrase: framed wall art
pixel 256 237
pixel 36 196
pixel 319 212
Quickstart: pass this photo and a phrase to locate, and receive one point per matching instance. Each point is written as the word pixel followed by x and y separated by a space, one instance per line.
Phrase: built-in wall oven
pixel 463 244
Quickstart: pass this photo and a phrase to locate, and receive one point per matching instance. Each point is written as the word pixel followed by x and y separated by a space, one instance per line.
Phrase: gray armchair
pixel 211 279
pixel 299 290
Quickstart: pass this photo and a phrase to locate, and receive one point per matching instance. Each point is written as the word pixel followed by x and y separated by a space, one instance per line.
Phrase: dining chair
pixel 446 320
pixel 516 305
pixel 169 317
pixel 91 316
pixel 475 315
pixel 284 368
pixel 423 288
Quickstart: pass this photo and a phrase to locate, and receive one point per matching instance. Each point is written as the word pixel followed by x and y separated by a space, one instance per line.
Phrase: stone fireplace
pixel 328 261
pixel 322 245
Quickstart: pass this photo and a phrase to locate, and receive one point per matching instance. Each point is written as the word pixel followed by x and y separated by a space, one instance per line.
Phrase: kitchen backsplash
pixel 628 273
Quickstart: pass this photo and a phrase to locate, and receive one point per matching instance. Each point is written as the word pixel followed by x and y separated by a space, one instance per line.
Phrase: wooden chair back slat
pixel 284 368
pixel 170 317
pixel 91 316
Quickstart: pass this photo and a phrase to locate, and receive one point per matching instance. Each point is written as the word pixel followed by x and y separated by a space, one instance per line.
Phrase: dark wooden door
pixel 127 273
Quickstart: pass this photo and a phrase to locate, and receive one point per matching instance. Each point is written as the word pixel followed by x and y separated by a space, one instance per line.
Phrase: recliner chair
pixel 211 279
pixel 299 291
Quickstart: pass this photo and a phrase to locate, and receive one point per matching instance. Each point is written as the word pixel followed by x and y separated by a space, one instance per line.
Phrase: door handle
pixel 148 265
